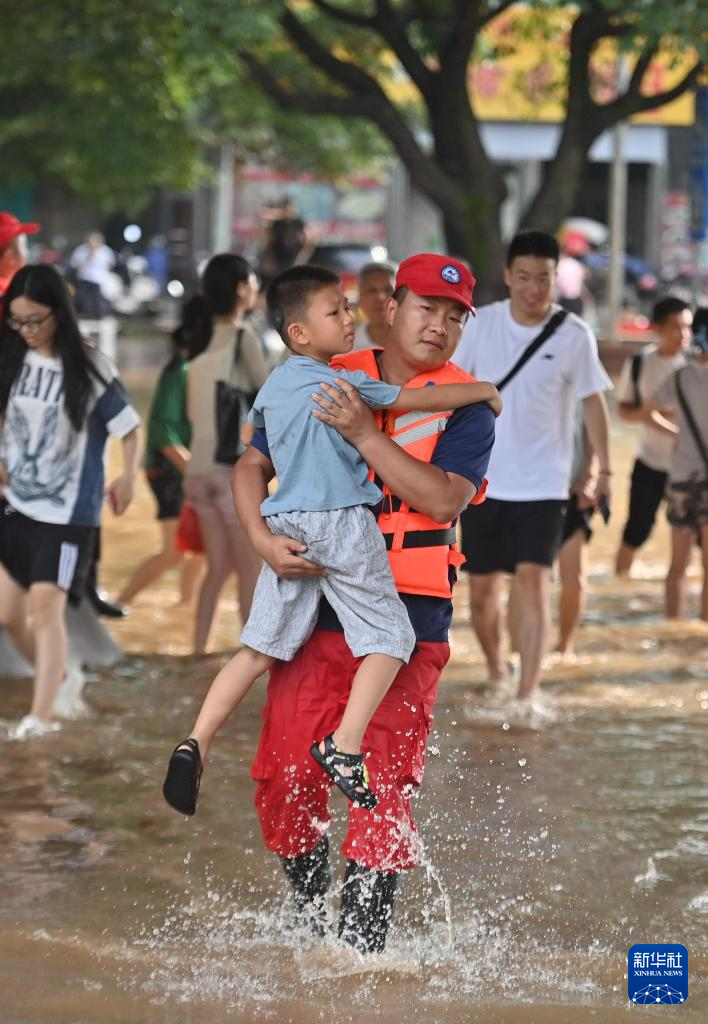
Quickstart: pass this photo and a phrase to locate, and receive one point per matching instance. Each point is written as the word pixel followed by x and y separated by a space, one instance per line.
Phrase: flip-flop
pixel 184 773
pixel 355 786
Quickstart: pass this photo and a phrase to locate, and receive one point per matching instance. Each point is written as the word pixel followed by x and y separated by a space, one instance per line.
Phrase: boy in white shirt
pixel 684 396
pixel 641 378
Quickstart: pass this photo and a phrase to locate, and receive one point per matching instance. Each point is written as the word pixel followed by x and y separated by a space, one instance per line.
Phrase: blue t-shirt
pixel 317 468
pixel 463 448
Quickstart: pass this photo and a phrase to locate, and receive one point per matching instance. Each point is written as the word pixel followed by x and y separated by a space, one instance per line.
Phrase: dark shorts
pixel 576 520
pixel 165 482
pixel 34 552
pixel 645 494
pixel 498 535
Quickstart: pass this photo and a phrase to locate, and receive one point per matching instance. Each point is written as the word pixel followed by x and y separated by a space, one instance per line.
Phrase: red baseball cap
pixel 11 227
pixel 441 277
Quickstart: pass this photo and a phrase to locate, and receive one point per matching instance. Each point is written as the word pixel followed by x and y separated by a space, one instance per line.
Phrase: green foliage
pixel 115 99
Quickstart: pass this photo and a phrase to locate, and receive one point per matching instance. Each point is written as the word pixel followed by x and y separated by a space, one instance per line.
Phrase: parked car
pixel 347 259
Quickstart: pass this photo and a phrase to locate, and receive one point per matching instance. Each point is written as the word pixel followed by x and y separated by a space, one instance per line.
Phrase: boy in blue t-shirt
pixel 324 500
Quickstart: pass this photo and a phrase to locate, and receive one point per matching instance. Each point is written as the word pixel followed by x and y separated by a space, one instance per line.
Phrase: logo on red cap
pixel 438 277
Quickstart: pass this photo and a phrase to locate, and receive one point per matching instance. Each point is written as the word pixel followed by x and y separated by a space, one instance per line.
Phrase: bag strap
pixel 550 328
pixel 237 347
pixel 635 370
pixel 692 425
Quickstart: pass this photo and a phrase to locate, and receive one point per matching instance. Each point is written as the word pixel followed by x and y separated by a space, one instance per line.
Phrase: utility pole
pixel 224 200
pixel 617 210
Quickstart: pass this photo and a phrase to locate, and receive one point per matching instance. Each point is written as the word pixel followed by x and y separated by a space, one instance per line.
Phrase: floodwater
pixel 549 853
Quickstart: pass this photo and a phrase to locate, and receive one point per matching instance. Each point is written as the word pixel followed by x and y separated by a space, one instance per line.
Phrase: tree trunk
pixel 473 230
pixel 556 197
pixel 474 235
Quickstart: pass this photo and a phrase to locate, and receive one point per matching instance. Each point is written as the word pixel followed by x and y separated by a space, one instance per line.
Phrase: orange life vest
pixel 420 550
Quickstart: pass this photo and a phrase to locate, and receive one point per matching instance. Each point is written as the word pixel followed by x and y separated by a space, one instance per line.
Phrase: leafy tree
pixel 114 99
pixel 344 58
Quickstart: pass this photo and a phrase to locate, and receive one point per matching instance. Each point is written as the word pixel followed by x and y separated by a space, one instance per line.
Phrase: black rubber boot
pixel 368 898
pixel 310 876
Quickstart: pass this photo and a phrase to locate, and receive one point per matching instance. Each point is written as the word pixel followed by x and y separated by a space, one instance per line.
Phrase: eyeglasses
pixel 31 326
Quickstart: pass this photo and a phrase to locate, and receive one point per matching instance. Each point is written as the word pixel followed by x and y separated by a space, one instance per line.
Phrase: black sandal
pixel 184 773
pixel 355 786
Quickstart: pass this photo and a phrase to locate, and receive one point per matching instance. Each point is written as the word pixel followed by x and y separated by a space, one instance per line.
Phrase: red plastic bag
pixel 189 534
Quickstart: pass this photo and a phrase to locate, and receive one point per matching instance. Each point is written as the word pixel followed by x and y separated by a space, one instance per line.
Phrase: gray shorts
pixel 359 586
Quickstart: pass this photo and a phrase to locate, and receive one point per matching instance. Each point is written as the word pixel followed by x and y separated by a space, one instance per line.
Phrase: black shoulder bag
pixel 550 328
pixel 232 406
pixel 692 425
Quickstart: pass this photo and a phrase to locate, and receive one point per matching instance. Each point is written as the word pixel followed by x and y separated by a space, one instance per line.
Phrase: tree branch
pixel 640 69
pixel 297 100
pixel 373 104
pixel 455 56
pixel 484 19
pixel 343 72
pixel 607 115
pixel 346 17
pixel 392 28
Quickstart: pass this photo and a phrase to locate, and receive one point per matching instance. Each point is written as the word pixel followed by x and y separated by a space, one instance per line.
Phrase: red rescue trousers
pixel 306 699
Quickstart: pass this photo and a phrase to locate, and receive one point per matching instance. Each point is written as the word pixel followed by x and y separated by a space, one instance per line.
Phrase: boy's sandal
pixel 184 773
pixel 354 786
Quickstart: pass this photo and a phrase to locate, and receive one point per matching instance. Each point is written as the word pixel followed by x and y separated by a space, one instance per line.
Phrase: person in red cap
pixel 13 247
pixel 429 466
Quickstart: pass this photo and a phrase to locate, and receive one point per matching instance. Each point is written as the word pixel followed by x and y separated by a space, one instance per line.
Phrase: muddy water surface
pixel 549 853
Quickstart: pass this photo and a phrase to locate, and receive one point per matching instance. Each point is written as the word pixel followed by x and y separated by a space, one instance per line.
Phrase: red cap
pixel 575 244
pixel 11 227
pixel 441 277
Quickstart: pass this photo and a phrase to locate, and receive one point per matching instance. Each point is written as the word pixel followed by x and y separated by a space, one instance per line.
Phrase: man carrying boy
pixel 431 466
pixel 641 378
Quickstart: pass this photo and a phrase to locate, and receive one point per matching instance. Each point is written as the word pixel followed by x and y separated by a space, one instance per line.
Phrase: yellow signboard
pixel 519 69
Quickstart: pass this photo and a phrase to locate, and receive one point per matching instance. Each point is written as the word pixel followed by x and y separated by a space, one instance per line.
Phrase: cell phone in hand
pixel 604 507
pixel 112 500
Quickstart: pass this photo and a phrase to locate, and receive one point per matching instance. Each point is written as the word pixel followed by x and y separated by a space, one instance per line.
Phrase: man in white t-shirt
pixel 518 529
pixel 92 264
pixel 376 281
pixel 641 378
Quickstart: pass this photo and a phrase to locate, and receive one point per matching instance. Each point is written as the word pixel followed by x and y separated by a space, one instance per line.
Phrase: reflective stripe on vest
pixel 421 551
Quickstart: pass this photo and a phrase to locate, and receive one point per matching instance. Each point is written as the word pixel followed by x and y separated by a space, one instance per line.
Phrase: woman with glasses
pixel 60 399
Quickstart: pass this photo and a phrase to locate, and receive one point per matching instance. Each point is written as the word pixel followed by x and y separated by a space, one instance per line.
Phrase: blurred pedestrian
pixel 157 258
pixel 577 532
pixel 228 350
pixel 545 360
pixel 642 376
pixel 92 263
pixel 166 459
pixel 376 282
pixel 289 240
pixel 60 400
pixel 571 273
pixel 13 247
pixel 684 397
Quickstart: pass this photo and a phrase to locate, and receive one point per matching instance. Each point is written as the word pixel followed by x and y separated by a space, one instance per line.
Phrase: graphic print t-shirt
pixel 57 473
